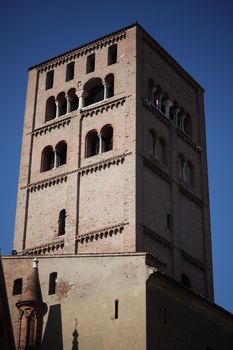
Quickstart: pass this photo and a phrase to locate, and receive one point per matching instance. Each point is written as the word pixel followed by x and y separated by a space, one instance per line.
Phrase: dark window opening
pixel 70 71
pixel 62 222
pixel 49 80
pixel 61 151
pixel 62 104
pixel 165 316
pixel 92 144
pixel 116 309
pixel 188 125
pixel 73 100
pixel 47 159
pixel 52 283
pixel 90 63
pixel 163 102
pixel 107 138
pixel 169 221
pixel 109 80
pixel 17 287
pixel 96 94
pixel 185 281
pixel 50 109
pixel 112 54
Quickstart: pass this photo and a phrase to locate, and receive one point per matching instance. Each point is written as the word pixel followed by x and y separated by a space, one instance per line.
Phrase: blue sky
pixel 198 34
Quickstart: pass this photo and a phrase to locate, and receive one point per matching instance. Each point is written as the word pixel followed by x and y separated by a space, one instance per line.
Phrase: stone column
pixel 167 104
pixel 81 96
pixel 57 108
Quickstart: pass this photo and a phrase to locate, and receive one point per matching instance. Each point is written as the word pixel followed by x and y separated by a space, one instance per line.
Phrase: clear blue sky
pixel 198 34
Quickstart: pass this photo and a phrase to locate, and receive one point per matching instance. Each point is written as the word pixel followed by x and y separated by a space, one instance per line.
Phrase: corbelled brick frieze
pixel 153 259
pixel 155 237
pixel 156 169
pixel 193 261
pixel 102 107
pixel 192 197
pixel 45 248
pixel 56 124
pixel 81 51
pixel 150 107
pixel 101 233
pixel 88 169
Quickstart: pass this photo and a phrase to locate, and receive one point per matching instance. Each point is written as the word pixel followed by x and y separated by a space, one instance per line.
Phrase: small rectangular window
pixel 70 71
pixel 52 283
pixel 169 221
pixel 17 287
pixel 112 54
pixel 90 63
pixel 116 309
pixel 49 80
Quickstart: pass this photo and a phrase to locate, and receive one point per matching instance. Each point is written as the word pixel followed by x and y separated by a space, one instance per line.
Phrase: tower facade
pixel 114 158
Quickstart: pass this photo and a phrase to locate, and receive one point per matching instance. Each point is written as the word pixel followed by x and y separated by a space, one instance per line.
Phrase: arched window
pixel 62 222
pixel 94 91
pixel 180 117
pixel 107 138
pixel 157 95
pixel 173 111
pixel 17 286
pixel 186 281
pixel 185 171
pixel 157 147
pixel 92 143
pixel 188 125
pixel 62 104
pixel 151 88
pixel 72 100
pixel 61 151
pixel 50 109
pixel 109 80
pixel 47 159
pixel 164 100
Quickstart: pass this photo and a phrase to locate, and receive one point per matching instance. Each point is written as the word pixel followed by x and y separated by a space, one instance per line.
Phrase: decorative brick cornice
pixel 156 169
pixel 188 141
pixel 103 107
pixel 40 185
pixel 193 261
pixel 170 61
pixel 150 107
pixel 81 51
pixel 153 259
pixel 103 164
pixel 155 237
pixel 101 233
pixel 45 248
pixel 56 124
pixel 85 170
pixel 192 197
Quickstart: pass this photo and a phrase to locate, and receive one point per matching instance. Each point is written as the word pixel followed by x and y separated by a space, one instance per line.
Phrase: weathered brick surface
pixel 118 187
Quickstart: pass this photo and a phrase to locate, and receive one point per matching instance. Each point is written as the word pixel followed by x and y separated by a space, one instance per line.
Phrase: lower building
pixel 116 301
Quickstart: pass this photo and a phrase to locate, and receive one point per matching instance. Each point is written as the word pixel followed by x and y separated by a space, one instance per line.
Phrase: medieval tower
pixel 113 186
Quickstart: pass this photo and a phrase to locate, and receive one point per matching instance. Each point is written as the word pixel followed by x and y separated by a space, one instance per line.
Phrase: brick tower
pixel 114 158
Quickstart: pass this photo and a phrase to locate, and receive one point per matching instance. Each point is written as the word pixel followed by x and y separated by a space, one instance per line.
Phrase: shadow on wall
pixel 52 338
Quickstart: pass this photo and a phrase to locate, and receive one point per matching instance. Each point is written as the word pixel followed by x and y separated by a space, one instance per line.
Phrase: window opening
pixel 52 283
pixel 73 100
pixel 62 104
pixel 169 221
pixel 116 309
pixel 185 281
pixel 50 109
pixel 62 222
pixel 112 54
pixel 109 80
pixel 90 63
pixel 61 151
pixel 107 138
pixel 70 71
pixel 49 80
pixel 92 143
pixel 47 159
pixel 17 286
